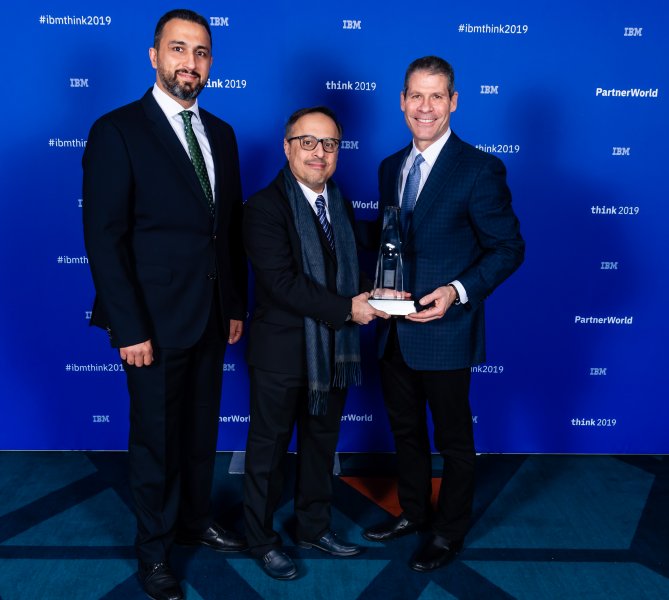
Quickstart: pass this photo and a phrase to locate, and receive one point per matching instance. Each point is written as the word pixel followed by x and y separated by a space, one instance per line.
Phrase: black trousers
pixel 174 414
pixel 278 402
pixel 406 393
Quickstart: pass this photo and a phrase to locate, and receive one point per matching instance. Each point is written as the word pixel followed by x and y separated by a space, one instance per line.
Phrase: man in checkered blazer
pixel 462 239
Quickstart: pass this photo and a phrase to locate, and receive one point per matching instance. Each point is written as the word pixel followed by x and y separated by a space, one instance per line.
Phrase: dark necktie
pixel 323 220
pixel 410 193
pixel 197 159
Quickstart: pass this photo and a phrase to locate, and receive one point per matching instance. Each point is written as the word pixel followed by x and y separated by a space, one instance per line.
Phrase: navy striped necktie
pixel 323 220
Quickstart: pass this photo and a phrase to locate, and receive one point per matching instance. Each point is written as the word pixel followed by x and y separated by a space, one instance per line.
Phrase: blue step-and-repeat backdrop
pixel 570 95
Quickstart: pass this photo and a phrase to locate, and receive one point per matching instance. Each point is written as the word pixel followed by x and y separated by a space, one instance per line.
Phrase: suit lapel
pixel 164 132
pixel 396 168
pixel 324 240
pixel 218 155
pixel 446 162
pixel 281 191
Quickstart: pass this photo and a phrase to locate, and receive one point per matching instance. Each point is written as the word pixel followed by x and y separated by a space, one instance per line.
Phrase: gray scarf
pixel 347 339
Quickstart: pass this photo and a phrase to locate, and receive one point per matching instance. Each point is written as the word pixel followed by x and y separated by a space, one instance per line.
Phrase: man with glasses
pixel 304 347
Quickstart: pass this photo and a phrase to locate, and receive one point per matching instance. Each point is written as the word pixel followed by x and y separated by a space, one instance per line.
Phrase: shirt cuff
pixel 461 291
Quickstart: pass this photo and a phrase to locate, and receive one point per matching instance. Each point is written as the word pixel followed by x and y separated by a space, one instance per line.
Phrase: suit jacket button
pixel 211 276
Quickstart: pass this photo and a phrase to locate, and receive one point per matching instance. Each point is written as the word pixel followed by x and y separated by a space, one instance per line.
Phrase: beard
pixel 181 90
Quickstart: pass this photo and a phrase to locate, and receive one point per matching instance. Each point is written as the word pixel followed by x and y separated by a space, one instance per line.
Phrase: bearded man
pixel 162 221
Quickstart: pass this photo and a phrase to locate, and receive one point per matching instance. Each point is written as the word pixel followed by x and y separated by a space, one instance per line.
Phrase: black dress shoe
pixel 279 565
pixel 436 552
pixel 389 530
pixel 329 543
pixel 158 581
pixel 215 537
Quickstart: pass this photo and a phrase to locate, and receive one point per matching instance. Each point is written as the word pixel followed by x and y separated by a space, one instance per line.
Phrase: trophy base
pixel 393 306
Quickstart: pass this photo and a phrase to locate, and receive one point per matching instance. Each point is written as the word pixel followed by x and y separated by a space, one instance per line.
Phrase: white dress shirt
pixel 311 198
pixel 173 110
pixel 430 154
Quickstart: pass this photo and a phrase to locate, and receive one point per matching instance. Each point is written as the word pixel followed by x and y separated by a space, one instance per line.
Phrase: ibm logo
pixel 598 371
pixel 219 21
pixel 633 31
pixel 349 145
pixel 348 24
pixel 101 419
pixel 78 83
pixel 80 202
pixel 620 151
pixel 608 266
pixel 490 89
pixel 89 314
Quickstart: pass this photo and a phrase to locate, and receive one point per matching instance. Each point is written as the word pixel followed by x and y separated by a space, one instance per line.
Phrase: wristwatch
pixel 457 294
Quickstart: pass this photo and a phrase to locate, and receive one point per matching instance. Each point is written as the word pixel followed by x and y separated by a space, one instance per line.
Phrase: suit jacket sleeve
pixel 497 231
pixel 236 288
pixel 107 210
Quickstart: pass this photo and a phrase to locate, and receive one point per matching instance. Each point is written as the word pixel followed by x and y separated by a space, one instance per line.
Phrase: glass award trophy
pixel 388 293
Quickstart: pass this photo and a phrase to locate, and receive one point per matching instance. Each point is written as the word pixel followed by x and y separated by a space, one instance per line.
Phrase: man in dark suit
pixel 303 347
pixel 162 214
pixel 462 239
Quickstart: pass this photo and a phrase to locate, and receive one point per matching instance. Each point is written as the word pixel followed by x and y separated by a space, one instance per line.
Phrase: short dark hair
pixel 433 65
pixel 178 13
pixel 324 110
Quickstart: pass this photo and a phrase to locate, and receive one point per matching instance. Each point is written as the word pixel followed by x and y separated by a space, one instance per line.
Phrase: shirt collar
pixel 170 106
pixel 431 153
pixel 311 195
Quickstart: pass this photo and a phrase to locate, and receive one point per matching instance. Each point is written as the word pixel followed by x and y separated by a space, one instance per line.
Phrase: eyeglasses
pixel 309 142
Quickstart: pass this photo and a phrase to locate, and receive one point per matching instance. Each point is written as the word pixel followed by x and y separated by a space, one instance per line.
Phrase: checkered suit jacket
pixel 463 228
